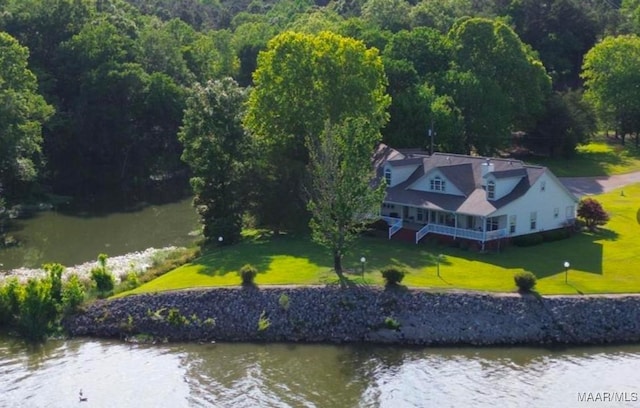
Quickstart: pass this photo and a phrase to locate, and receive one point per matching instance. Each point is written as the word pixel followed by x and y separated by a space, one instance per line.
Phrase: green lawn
pixel 604 262
pixel 598 158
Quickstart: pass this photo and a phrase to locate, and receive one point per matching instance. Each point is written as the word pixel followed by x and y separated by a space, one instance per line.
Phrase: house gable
pixel 398 171
pixel 499 187
pixel 435 181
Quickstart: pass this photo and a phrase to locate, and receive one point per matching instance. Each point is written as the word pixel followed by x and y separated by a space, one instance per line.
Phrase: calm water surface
pixel 113 374
pixel 74 238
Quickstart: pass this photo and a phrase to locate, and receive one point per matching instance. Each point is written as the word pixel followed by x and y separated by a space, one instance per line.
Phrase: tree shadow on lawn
pixel 261 253
pixel 582 251
pixel 380 252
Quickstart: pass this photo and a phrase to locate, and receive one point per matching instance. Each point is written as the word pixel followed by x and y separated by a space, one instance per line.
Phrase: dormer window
pixel 437 184
pixel 387 176
pixel 491 190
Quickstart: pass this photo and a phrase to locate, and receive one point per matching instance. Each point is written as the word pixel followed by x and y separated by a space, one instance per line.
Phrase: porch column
pixel 455 225
pixel 484 231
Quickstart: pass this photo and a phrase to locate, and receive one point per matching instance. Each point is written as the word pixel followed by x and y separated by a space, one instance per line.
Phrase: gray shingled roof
pixel 465 173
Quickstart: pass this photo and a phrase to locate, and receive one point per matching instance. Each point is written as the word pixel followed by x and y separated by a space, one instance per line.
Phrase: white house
pixel 467 197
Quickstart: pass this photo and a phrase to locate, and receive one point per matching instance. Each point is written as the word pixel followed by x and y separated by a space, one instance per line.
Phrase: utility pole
pixel 432 133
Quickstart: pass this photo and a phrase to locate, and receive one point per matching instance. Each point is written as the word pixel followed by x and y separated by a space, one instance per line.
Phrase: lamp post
pixel 362 261
pixel 566 270
pixel 438 259
pixel 220 239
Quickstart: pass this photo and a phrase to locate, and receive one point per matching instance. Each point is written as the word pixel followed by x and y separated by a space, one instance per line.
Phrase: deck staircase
pixel 404 235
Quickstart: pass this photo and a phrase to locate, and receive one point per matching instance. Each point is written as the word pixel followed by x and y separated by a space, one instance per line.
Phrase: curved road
pixel 596 185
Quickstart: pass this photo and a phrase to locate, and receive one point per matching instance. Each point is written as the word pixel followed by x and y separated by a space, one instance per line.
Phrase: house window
pixel 556 212
pixel 437 184
pixel 387 176
pixel 570 212
pixel 491 190
pixel 512 224
pixel 543 185
pixel 492 224
pixel 389 206
pixel 420 214
pixel 534 220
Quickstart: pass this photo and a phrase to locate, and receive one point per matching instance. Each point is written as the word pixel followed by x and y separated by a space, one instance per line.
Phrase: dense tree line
pixel 109 95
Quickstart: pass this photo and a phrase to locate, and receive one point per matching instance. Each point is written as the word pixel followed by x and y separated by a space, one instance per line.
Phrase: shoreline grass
pixel 601 262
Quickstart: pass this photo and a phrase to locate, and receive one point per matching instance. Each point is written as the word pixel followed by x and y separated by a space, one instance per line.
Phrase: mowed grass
pixel 601 262
pixel 598 158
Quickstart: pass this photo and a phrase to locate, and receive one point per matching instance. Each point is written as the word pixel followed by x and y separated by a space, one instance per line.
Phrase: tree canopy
pixel 215 147
pixel 22 114
pixel 612 80
pixel 496 82
pixel 301 82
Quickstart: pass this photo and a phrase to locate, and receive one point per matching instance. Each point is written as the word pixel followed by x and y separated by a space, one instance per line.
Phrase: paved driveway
pixel 595 185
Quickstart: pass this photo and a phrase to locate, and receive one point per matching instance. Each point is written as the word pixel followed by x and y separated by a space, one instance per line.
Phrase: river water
pixel 75 237
pixel 114 374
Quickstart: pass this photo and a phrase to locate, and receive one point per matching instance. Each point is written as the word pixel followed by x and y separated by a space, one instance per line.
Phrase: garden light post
pixel 363 260
pixel 566 270
pixel 438 259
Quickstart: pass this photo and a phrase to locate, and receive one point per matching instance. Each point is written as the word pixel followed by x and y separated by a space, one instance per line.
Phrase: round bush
pixel 248 274
pixel 393 276
pixel 525 281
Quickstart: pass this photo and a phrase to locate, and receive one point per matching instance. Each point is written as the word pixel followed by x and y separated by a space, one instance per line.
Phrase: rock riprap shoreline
pixel 335 315
pixel 137 261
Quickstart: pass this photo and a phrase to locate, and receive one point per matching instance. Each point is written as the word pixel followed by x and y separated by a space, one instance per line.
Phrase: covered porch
pixel 425 221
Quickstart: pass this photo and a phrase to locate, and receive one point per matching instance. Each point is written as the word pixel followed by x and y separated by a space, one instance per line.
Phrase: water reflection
pixel 283 375
pixel 74 238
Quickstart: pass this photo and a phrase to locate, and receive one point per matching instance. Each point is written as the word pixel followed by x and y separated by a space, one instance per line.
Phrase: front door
pixel 405 212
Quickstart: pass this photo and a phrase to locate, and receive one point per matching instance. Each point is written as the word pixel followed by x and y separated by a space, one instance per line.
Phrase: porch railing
pixel 395 225
pixel 460 233
pixel 422 232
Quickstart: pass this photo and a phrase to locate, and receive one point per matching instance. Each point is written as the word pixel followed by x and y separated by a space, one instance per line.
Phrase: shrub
pixel 391 323
pixel 283 301
pixel 527 240
pixel 37 310
pixel 555 235
pixel 591 211
pixel 54 271
pixel 130 280
pixel 263 322
pixel 11 294
pixel 102 277
pixel 72 294
pixel 392 275
pixel 525 281
pixel 248 274
pixel 175 318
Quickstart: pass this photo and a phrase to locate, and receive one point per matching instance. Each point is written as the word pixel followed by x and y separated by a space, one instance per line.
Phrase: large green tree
pixel 302 81
pixel 22 112
pixel 562 31
pixel 612 80
pixel 496 82
pixel 341 192
pixel 215 148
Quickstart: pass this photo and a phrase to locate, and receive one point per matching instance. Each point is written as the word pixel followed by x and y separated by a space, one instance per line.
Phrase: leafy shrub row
pixel 539 238
pixel 34 308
